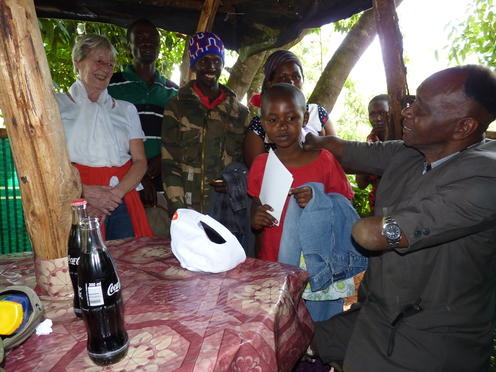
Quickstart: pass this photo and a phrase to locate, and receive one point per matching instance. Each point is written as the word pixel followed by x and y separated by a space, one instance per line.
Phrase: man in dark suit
pixel 428 298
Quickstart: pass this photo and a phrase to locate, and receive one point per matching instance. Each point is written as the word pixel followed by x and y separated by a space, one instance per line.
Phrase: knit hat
pixel 203 43
pixel 275 60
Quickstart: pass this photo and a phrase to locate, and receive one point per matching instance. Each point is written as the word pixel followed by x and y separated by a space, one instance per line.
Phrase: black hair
pixel 284 89
pixel 380 98
pixel 276 59
pixel 135 23
pixel 408 100
pixel 480 85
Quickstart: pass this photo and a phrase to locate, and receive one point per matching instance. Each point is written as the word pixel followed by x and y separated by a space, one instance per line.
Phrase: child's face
pixel 282 121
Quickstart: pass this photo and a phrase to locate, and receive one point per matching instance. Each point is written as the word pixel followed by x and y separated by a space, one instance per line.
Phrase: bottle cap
pixel 11 316
pixel 78 202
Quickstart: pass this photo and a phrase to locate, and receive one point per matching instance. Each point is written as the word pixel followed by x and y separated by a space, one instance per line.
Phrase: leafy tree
pixel 476 35
pixel 60 35
pixel 353 124
pixel 344 26
pixel 334 75
pixel 360 200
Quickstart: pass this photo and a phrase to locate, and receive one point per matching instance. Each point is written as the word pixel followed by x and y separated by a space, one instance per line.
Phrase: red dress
pixel 325 169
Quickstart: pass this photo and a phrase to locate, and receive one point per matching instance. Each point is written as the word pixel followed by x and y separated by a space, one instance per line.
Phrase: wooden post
pixel 47 180
pixel 205 23
pixel 392 54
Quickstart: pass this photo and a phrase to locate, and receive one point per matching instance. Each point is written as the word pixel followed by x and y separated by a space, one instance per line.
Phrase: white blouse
pixel 98 133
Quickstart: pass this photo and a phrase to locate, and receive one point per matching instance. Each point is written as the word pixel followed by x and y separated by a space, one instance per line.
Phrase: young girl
pixel 283 115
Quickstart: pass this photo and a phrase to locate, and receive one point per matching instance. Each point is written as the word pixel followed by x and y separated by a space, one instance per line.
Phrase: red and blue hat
pixel 203 43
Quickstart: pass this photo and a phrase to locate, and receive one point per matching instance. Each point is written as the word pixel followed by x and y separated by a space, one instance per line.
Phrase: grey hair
pixel 86 43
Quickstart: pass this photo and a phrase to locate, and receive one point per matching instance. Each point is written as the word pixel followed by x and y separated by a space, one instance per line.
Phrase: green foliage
pixel 360 200
pixel 344 26
pixel 60 35
pixel 476 35
pixel 313 52
pixel 353 124
pixel 171 51
pixel 231 57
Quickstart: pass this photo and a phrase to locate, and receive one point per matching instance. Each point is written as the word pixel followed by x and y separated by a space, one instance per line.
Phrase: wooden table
pixel 251 318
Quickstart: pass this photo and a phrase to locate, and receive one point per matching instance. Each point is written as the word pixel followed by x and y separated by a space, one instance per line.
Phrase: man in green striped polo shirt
pixel 142 84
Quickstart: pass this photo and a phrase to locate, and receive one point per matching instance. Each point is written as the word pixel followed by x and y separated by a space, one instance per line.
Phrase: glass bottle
pixel 74 248
pixel 100 298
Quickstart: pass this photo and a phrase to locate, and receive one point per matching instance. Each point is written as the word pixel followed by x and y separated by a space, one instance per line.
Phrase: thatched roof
pixel 248 24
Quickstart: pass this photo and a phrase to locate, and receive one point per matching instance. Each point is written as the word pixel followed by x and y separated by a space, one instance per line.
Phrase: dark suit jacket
pixel 449 218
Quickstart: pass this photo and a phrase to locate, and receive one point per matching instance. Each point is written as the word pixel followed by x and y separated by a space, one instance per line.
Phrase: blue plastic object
pixel 24 301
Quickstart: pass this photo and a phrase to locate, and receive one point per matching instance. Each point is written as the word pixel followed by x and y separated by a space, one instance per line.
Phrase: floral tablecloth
pixel 251 318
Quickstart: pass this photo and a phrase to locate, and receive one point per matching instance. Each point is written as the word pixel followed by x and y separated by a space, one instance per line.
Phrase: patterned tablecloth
pixel 251 318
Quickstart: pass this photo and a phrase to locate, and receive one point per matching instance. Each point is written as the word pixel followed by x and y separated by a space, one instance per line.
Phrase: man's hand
pixel 148 195
pixel 154 167
pixel 261 218
pixel 302 195
pixel 219 185
pixel 373 137
pixel 312 142
pixel 101 198
pixel 331 143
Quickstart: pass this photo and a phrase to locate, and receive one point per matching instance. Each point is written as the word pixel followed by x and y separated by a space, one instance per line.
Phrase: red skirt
pixel 101 176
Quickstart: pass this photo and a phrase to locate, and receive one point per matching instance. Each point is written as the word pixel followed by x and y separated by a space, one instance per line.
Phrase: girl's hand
pixel 261 218
pixel 302 195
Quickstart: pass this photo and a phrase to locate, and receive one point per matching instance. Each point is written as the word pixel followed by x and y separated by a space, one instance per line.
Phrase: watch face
pixel 392 231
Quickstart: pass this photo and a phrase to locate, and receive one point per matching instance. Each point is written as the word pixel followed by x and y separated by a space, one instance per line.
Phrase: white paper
pixel 44 328
pixel 276 182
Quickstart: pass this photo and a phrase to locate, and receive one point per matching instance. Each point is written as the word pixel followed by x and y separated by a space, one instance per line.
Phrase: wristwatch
pixel 391 231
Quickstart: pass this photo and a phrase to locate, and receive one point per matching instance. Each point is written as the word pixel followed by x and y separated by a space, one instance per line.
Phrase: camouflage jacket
pixel 197 143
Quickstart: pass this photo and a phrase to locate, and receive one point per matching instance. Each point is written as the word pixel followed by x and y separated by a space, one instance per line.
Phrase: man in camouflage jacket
pixel 203 130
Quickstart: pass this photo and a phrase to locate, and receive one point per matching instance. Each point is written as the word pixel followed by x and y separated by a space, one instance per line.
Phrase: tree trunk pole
pixel 392 54
pixel 332 79
pixel 47 180
pixel 205 23
pixel 243 72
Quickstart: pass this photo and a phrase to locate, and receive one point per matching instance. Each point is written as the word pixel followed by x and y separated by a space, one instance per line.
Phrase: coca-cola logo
pixel 74 261
pixel 113 288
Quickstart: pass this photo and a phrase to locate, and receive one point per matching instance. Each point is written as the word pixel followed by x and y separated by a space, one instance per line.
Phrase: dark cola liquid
pixel 74 251
pixel 102 307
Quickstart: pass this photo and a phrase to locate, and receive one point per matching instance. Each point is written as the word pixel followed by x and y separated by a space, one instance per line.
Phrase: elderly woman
pixel 282 66
pixel 105 141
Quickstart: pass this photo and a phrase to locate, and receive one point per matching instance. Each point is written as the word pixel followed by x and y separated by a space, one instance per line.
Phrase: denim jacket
pixel 322 231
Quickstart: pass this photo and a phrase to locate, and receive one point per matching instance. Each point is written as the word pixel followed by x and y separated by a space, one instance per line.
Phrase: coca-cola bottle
pixel 74 248
pixel 100 297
